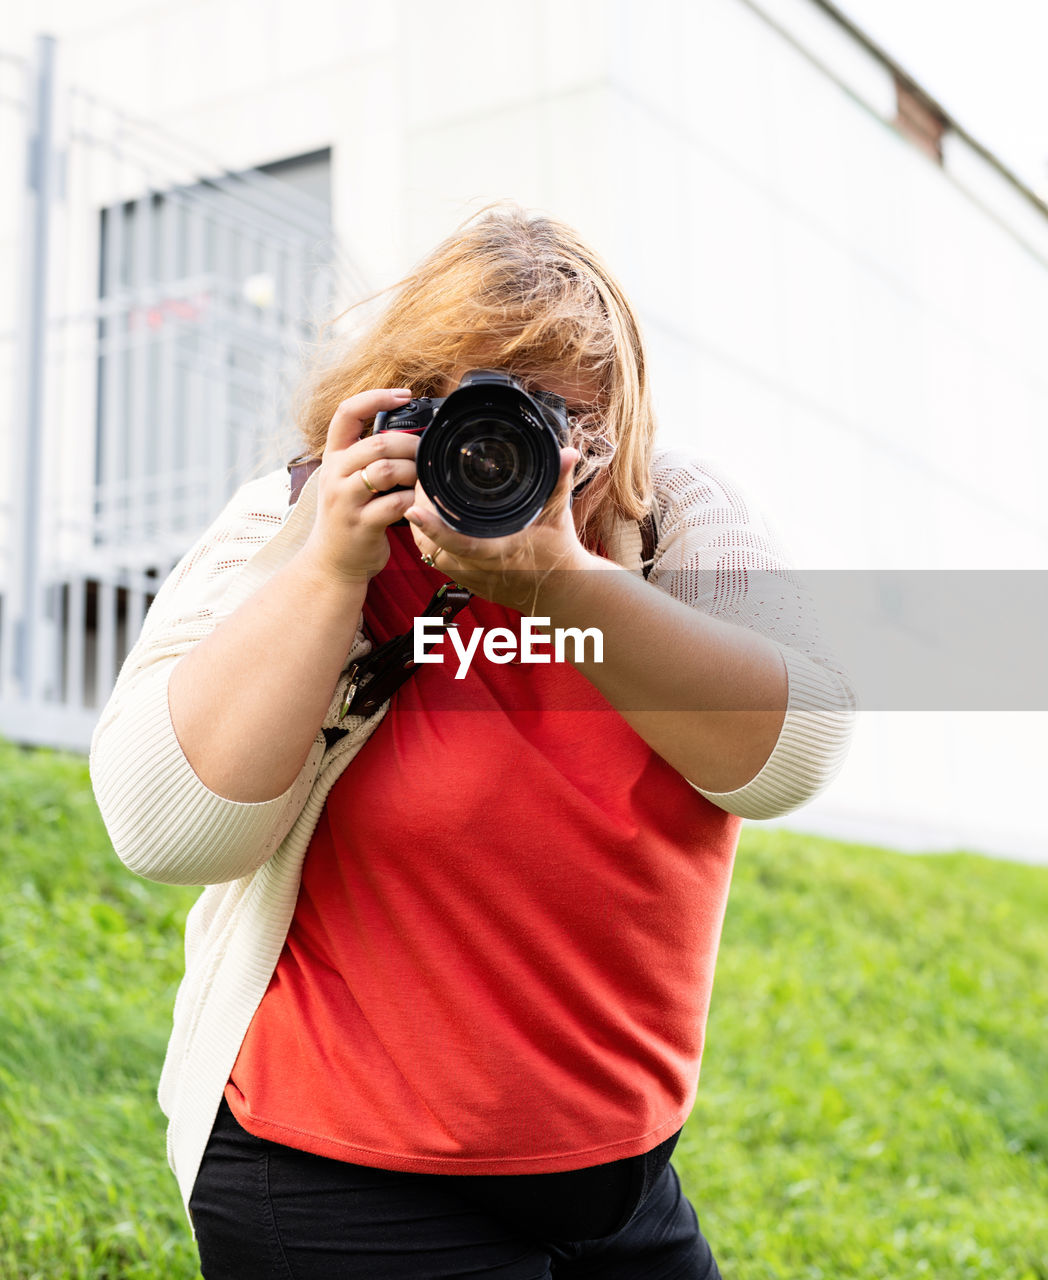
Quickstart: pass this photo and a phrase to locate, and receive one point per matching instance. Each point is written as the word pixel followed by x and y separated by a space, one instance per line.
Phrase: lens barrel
pixel 490 459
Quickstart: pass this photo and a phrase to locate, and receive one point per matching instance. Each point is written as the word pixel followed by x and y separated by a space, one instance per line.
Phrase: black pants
pixel 263 1210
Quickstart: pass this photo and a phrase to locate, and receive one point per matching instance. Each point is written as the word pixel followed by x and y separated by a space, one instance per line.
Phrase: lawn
pixel 873 1100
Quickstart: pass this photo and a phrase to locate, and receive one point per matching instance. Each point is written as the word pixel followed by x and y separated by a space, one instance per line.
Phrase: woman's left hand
pixel 707 695
pixel 506 570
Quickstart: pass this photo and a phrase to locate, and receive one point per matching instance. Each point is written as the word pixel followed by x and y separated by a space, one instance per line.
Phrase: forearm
pixel 246 703
pixel 708 696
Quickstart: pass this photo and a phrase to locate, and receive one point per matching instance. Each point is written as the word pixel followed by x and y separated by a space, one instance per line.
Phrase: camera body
pixel 489 453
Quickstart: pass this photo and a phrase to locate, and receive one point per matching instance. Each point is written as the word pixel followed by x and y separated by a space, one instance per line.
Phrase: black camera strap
pixel 380 673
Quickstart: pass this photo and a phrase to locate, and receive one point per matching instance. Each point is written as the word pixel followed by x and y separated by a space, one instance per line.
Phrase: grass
pixel 872 1104
pixel 89 961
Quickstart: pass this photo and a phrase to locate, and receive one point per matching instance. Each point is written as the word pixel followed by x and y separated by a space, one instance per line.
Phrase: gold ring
pixel 431 560
pixel 367 483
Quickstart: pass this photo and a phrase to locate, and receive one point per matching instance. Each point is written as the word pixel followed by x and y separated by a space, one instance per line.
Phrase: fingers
pixel 368 453
pixel 423 515
pixel 353 415
pixel 382 474
pixel 362 468
pixel 386 509
pixel 370 486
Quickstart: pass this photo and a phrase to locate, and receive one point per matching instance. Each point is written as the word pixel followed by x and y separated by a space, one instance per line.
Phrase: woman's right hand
pixel 348 543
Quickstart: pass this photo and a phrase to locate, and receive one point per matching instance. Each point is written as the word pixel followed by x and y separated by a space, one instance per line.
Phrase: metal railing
pixel 163 303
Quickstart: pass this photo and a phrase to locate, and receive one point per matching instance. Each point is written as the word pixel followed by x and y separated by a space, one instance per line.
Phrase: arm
pixel 210 743
pixel 277 659
pixel 717 554
pixel 164 822
pixel 746 707
pixel 247 702
pixel 707 696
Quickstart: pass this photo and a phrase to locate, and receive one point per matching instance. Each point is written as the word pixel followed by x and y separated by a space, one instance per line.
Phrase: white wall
pixel 839 321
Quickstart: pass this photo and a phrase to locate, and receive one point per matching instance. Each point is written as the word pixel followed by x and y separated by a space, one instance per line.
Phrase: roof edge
pixel 915 86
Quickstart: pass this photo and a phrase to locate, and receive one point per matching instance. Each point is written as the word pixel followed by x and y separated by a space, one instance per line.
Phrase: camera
pixel 489 453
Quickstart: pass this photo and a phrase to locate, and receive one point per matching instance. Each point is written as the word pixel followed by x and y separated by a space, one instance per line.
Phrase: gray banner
pixel 908 640
pixel 938 640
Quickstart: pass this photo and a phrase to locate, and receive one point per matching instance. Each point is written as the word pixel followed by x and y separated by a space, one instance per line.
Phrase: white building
pixel 845 296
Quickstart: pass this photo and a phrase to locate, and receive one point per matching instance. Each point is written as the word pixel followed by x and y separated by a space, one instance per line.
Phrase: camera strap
pixel 300 469
pixel 378 675
pixel 649 537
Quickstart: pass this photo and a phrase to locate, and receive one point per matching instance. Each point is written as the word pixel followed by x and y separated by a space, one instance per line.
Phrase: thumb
pixel 568 458
pixel 561 495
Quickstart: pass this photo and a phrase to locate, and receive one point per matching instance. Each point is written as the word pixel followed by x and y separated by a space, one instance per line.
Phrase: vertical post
pixel 26 498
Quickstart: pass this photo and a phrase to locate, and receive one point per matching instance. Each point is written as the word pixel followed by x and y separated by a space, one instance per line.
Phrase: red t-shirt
pixel 503 948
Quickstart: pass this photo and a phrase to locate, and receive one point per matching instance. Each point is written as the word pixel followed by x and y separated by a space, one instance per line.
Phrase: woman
pixel 445 998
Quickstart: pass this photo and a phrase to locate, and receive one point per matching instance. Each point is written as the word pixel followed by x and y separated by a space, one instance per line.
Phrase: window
pixel 205 291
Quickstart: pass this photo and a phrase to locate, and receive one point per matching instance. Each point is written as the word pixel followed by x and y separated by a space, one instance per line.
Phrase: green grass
pixel 89 961
pixel 873 1100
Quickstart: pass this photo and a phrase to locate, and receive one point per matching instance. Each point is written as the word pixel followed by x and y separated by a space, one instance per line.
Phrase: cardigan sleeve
pixel 164 823
pixel 715 552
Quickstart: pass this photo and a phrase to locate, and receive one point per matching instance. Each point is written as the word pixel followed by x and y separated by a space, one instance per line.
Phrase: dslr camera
pixel 489 453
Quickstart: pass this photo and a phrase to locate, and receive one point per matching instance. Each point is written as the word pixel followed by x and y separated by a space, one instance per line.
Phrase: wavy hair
pixel 517 290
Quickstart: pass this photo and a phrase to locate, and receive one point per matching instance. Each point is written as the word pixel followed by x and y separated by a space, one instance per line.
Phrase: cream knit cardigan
pixel 713 550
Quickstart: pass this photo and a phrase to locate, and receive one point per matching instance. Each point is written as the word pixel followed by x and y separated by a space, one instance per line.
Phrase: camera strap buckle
pixel 378 675
pixel 351 690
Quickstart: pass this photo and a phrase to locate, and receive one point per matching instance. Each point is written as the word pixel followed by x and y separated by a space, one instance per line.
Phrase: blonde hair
pixel 515 290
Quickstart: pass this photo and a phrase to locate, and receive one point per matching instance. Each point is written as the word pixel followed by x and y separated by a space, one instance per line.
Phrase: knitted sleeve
pixel 716 553
pixel 165 824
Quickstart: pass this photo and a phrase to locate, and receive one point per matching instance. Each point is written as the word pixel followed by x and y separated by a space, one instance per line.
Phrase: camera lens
pixel 490 458
pixel 490 467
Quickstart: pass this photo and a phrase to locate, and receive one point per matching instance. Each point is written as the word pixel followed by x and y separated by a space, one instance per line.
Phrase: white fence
pixel 154 314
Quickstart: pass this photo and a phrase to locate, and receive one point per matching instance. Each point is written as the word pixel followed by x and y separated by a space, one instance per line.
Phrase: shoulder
pixel 254 513
pixel 694 501
pixel 262 501
pixel 253 518
pixel 696 491
pixel 677 473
